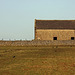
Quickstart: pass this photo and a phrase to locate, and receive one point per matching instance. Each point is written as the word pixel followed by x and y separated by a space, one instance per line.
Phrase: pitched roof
pixel 55 24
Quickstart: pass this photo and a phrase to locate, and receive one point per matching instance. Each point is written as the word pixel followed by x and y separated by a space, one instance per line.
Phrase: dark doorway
pixel 72 38
pixel 54 38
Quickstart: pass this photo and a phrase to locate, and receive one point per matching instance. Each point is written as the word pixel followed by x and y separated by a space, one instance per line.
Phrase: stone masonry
pixel 48 34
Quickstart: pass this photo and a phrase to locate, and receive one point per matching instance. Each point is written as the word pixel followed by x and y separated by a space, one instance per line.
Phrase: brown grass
pixel 37 61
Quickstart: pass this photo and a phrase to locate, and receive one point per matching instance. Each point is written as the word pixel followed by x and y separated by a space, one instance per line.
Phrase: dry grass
pixel 37 61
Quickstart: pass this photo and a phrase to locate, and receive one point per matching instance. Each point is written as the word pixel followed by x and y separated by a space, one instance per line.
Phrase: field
pixel 37 60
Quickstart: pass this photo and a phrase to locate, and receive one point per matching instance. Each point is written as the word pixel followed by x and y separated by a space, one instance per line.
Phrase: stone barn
pixel 54 29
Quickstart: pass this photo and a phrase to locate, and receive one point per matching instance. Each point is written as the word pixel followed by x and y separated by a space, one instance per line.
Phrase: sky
pixel 17 17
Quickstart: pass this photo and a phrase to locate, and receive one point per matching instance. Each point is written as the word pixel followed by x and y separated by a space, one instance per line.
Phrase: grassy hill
pixel 37 60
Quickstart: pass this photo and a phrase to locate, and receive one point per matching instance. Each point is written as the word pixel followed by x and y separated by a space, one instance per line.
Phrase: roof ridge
pixel 53 20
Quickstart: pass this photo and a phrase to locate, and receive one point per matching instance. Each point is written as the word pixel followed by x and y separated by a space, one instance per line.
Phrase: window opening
pixel 54 38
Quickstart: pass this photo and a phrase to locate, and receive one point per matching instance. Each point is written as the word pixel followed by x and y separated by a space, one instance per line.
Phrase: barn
pixel 54 29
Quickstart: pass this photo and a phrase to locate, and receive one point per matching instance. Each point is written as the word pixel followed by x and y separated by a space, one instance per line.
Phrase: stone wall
pixel 37 43
pixel 48 34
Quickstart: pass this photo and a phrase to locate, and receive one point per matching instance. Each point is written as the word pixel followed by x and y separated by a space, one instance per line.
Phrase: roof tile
pixel 55 24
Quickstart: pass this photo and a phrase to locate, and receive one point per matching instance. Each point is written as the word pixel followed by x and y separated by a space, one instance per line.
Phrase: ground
pixel 37 60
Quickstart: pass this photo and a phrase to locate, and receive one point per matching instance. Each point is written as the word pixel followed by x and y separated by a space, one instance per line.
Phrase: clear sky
pixel 17 16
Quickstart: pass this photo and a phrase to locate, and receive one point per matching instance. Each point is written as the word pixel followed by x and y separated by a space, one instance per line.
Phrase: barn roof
pixel 55 24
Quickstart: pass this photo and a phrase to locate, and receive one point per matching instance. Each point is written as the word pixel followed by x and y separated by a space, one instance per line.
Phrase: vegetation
pixel 37 60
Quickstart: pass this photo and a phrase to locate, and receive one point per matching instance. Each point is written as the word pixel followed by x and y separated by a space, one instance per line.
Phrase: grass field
pixel 37 61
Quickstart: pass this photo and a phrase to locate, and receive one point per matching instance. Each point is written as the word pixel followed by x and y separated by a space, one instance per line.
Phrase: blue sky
pixel 17 16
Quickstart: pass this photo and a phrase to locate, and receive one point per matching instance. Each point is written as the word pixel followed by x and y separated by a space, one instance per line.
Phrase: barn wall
pixel 48 34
